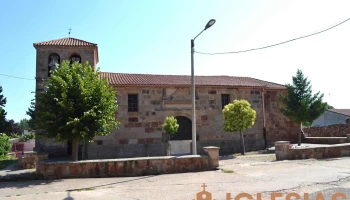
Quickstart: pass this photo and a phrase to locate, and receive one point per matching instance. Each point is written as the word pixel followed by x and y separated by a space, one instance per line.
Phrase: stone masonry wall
pixel 284 152
pixel 335 130
pixel 130 167
pixel 29 159
pixel 51 147
pixel 278 127
pixel 142 129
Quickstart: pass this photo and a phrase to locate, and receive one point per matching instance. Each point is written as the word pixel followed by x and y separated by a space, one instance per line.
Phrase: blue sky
pixel 153 36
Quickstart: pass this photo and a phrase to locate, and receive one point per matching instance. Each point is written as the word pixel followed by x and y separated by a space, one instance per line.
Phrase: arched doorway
pixel 181 141
pixel 185 129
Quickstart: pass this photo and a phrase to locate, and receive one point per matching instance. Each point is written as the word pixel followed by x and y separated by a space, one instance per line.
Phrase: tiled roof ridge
pixel 60 40
pixel 178 75
pixel 266 81
pixel 115 78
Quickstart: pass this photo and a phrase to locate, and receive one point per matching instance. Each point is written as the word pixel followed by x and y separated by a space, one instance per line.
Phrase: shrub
pixel 27 137
pixel 170 125
pixel 14 135
pixel 5 144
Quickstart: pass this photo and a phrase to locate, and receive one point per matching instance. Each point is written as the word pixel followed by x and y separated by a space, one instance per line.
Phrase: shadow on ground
pixel 68 197
pixel 23 183
pixel 109 184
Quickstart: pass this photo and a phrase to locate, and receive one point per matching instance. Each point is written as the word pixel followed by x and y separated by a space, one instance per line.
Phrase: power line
pixel 17 77
pixel 277 43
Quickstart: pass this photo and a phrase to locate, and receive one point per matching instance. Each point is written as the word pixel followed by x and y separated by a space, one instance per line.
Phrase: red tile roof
pixel 121 79
pixel 65 42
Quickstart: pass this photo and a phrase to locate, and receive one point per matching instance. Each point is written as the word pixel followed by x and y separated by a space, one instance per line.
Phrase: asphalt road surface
pixel 250 174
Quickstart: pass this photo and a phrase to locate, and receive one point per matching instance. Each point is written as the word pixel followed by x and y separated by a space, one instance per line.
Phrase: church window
pixel 132 103
pixel 54 59
pixel 225 99
pixel 75 58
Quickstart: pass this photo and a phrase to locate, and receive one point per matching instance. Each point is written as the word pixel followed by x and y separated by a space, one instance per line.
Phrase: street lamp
pixel 194 133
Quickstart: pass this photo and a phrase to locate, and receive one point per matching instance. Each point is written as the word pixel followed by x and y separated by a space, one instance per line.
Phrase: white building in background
pixel 332 116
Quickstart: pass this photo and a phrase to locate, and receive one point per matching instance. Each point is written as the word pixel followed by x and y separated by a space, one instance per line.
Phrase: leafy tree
pixel 170 125
pixel 5 144
pixel 76 105
pixel 23 125
pixel 238 116
pixel 299 105
pixel 26 137
pixel 12 128
pixel 31 113
pixel 3 122
pixel 329 106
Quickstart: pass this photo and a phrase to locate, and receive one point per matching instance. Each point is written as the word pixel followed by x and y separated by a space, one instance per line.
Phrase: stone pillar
pixel 213 153
pixel 282 150
pixel 39 157
pixel 348 136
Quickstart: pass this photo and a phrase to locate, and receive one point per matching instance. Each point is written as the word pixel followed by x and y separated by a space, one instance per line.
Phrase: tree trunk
pixel 242 144
pixel 75 149
pixel 86 143
pixel 300 133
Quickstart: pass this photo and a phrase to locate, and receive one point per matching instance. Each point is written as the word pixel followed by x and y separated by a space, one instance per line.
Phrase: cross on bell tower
pixel 69 32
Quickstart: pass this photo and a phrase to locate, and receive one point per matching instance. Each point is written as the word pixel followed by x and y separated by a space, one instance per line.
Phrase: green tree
pixel 329 106
pixel 76 105
pixel 12 128
pixel 31 113
pixel 238 116
pixel 299 104
pixel 5 144
pixel 23 125
pixel 3 113
pixel 170 125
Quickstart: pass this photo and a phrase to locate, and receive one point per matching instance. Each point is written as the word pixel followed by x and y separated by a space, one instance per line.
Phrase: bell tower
pixel 50 53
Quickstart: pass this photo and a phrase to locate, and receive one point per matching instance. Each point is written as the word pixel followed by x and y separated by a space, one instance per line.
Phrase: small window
pixel 75 58
pixel 132 103
pixel 54 60
pixel 225 99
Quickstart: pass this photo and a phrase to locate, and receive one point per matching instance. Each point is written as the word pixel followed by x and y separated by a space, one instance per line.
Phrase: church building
pixel 144 100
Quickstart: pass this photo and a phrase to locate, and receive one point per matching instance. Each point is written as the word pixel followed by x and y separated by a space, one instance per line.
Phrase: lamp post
pixel 194 133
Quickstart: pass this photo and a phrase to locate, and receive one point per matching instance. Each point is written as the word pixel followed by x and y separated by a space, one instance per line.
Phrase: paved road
pixel 251 174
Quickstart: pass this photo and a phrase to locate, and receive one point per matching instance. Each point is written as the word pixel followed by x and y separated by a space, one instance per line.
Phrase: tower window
pixel 75 58
pixel 54 59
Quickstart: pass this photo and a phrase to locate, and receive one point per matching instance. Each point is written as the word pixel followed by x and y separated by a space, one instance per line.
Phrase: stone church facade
pixel 144 100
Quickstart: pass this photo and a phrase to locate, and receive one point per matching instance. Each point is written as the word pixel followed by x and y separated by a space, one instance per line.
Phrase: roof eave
pixel 189 85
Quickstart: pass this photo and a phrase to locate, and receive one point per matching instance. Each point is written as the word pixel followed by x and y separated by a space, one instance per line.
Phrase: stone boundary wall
pixel 130 167
pixel 284 152
pixel 325 140
pixel 335 130
pixel 30 159
pixel 126 151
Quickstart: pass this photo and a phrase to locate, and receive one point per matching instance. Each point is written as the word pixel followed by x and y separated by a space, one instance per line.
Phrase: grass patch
pixel 6 161
pixel 227 171
pixel 82 189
